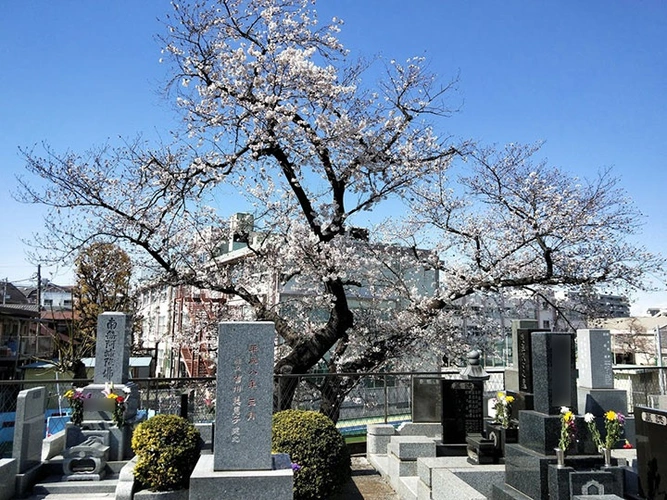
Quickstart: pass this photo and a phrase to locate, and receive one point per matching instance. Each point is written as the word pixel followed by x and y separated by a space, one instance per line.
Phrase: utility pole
pixel 661 372
pixel 39 287
pixel 4 292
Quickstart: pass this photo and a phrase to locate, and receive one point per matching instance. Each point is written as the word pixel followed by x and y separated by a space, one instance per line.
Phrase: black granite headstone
pixel 651 428
pixel 554 372
pixel 462 409
pixel 426 399
pixel 524 358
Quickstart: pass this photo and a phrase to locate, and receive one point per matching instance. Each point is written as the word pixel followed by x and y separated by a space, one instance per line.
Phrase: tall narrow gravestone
pixel 519 377
pixel 596 393
pixel 244 397
pixel 112 362
pixel 112 357
pixel 242 465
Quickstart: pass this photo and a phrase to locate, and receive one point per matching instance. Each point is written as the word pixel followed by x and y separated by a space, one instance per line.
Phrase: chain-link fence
pixel 373 398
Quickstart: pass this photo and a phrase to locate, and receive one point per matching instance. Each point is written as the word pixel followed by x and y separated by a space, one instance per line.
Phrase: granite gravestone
pixel 244 402
pixel 518 376
pixel 595 391
pixel 651 429
pixel 112 368
pixel 594 359
pixel 112 360
pixel 554 372
pixel 114 340
pixel 462 409
pixel 426 399
pixel 29 428
pixel 530 465
pixel 242 465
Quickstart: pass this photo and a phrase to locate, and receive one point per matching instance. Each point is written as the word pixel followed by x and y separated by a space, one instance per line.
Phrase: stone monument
pixel 531 469
pixel 519 377
pixel 595 391
pixel 651 451
pixel 462 408
pixel 112 358
pixel 29 432
pixel 242 465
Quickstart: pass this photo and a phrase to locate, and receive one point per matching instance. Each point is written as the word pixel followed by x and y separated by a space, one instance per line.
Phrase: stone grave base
pixel 528 471
pixel 566 483
pixel 118 439
pixel 26 479
pixel 8 468
pixel 206 483
pixel 598 401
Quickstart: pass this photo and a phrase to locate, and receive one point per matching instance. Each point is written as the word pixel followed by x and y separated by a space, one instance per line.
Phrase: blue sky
pixel 589 78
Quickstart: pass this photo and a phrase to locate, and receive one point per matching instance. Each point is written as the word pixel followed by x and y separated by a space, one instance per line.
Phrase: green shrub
pixel 167 449
pixel 314 443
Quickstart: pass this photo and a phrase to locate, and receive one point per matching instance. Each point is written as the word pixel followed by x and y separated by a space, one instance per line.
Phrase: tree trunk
pixel 334 391
pixel 307 353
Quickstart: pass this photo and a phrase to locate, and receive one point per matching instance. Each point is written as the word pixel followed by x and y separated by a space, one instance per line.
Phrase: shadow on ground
pixel 366 484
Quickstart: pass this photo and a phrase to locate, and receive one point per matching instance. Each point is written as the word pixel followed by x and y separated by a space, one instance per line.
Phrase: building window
pixel 624 358
pixel 48 302
pixel 546 324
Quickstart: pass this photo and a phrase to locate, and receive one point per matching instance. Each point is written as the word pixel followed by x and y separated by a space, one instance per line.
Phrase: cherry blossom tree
pixel 275 108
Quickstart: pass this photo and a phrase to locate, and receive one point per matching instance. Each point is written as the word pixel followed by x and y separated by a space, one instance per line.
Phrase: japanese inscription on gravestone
pixel 524 360
pixel 244 396
pixel 594 359
pixel 112 357
pixel 462 409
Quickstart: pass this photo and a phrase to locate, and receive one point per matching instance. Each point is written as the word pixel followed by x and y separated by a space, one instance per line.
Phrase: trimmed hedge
pixel 167 449
pixel 314 443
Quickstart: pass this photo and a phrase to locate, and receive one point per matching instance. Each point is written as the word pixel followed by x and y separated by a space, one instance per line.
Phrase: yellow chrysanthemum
pixel 509 399
pixel 568 416
pixel 69 394
pixel 610 415
pixel 112 396
pixel 500 395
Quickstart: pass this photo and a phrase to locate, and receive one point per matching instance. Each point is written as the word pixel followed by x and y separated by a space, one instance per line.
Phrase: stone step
pixel 70 496
pixel 54 486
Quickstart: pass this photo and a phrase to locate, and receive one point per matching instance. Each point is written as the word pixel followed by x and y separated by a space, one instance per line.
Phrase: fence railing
pixel 376 397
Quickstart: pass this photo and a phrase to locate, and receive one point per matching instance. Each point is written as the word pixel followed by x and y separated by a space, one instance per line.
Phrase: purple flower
pixel 295 466
pixel 621 418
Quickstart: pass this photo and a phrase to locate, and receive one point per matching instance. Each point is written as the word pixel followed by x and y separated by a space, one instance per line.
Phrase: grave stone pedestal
pixel 98 407
pixel 566 483
pixel 118 439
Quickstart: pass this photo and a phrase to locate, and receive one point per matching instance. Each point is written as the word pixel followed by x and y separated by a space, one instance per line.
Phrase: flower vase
pixel 606 453
pixel 560 458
